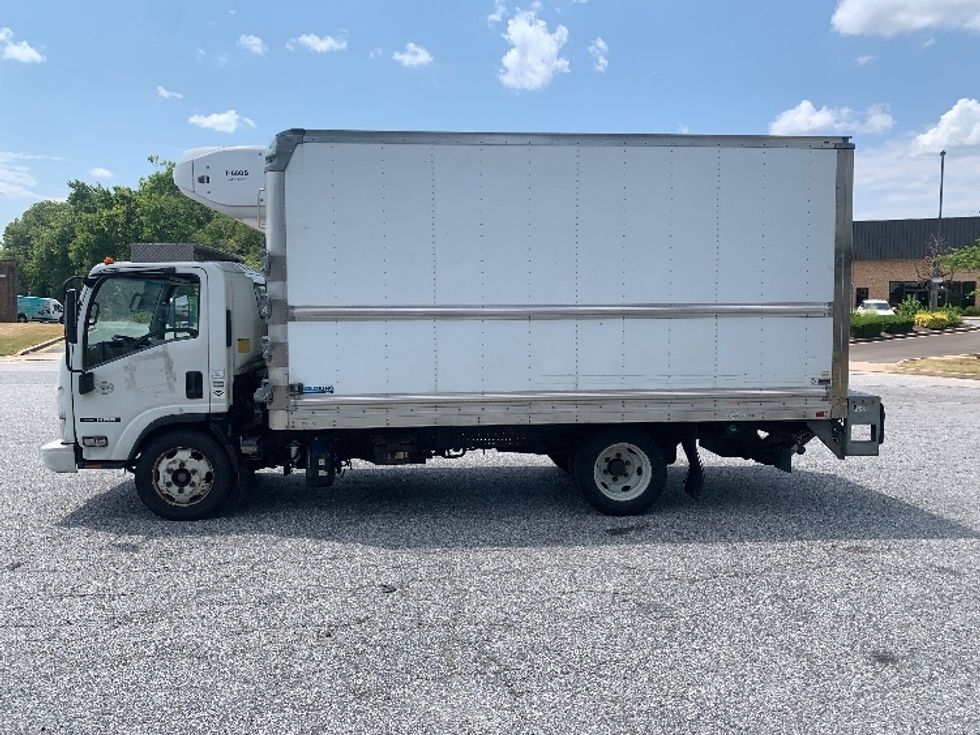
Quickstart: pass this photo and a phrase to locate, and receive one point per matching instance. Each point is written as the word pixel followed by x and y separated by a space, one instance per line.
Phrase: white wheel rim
pixel 622 472
pixel 183 476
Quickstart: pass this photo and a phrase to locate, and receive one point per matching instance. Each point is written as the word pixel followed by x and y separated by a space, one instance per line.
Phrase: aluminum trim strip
pixel 318 415
pixel 629 311
pixel 516 138
pixel 843 243
pixel 767 394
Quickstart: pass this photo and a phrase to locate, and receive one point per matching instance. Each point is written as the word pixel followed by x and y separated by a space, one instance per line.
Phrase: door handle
pixel 194 384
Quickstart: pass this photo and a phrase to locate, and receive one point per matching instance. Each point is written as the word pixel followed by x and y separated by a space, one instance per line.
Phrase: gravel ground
pixel 485 596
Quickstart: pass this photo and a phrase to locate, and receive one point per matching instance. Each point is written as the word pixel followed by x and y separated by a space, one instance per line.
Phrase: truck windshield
pixel 128 314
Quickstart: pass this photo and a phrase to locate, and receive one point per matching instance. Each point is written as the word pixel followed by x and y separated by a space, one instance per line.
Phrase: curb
pixel 913 335
pixel 39 346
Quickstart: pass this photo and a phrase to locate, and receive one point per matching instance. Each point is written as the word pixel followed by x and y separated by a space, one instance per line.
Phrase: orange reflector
pixel 107 260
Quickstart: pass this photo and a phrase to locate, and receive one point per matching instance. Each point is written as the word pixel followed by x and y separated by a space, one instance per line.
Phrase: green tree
pixel 54 240
pixel 33 239
pixel 225 233
pixel 49 264
pixel 962 259
pixel 165 214
pixel 106 231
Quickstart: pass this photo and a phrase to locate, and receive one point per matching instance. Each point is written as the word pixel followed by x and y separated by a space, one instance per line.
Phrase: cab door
pixel 143 358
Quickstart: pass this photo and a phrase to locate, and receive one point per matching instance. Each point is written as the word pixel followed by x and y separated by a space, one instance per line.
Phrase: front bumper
pixel 58 456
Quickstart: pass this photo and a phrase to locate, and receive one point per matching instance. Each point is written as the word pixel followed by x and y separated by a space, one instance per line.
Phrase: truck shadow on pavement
pixel 535 506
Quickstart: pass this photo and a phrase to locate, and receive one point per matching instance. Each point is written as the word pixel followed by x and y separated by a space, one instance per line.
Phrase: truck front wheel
pixel 183 475
pixel 620 472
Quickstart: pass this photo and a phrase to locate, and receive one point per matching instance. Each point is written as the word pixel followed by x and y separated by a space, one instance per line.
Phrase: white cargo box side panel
pixel 719 234
pixel 372 225
pixel 436 356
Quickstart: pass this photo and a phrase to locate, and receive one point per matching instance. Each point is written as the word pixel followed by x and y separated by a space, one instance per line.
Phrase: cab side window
pixel 130 314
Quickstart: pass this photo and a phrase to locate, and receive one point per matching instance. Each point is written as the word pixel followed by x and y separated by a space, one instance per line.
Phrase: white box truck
pixel 602 299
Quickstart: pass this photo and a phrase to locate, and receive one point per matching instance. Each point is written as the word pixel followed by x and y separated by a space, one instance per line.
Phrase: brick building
pixel 8 291
pixel 889 257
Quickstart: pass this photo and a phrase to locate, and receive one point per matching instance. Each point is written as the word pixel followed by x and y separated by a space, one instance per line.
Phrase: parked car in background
pixel 39 309
pixel 876 307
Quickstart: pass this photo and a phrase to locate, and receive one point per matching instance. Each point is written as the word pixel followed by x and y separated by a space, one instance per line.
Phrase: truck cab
pixel 153 349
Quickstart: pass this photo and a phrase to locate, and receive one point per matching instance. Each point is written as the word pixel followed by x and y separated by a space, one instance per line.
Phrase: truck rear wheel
pixel 183 475
pixel 620 472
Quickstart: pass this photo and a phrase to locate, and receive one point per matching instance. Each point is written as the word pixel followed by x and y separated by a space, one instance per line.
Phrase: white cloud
pixel 599 51
pixel 221 59
pixel 898 181
pixel 20 51
pixel 16 179
pixel 499 11
pixel 100 173
pixel 375 53
pixel 891 17
pixel 806 119
pixel 901 177
pixel 252 44
pixel 877 120
pixel 533 59
pixel 413 55
pixel 168 94
pixel 865 59
pixel 222 122
pixel 318 44
pixel 959 126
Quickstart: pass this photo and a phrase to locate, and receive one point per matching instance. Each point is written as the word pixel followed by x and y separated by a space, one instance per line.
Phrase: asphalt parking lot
pixel 485 596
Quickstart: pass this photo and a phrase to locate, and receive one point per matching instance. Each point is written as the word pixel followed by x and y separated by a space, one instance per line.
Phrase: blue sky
pixel 89 90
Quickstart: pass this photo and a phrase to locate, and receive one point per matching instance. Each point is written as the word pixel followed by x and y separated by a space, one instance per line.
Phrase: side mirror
pixel 71 316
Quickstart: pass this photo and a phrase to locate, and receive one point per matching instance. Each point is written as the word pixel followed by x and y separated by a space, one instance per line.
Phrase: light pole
pixel 942 175
pixel 936 277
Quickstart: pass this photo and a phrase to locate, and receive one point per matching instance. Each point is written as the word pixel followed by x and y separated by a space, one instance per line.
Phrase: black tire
pixel 197 469
pixel 633 465
pixel 562 460
pixel 22 318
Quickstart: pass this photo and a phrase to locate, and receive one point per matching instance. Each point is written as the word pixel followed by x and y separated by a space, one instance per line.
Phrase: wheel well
pixel 191 422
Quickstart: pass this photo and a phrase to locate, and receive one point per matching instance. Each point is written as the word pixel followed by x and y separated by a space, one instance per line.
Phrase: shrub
pixel 952 315
pixel 909 307
pixel 899 325
pixel 867 325
pixel 932 319
pixel 971 311
pixel 870 325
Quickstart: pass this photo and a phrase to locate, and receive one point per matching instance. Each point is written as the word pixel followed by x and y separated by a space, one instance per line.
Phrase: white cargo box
pixel 424 279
